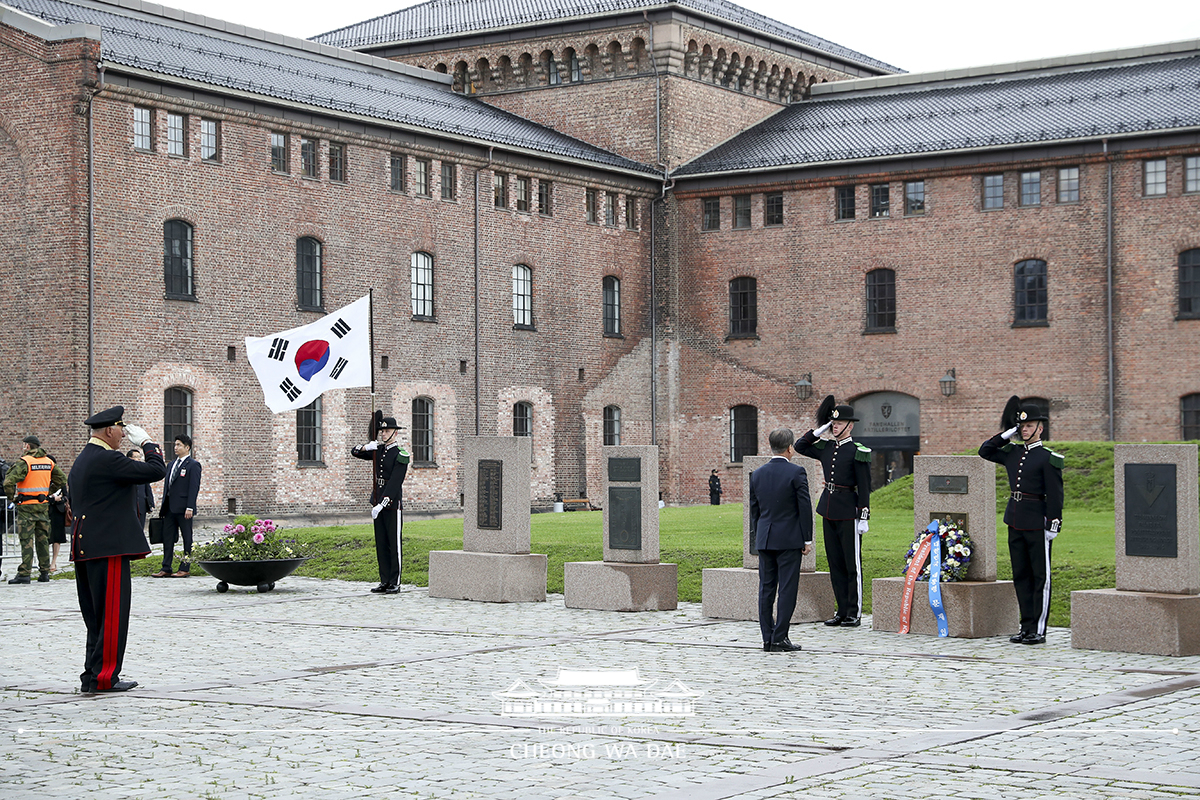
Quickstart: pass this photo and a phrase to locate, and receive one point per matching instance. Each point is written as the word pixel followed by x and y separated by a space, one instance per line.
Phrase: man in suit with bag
pixel 179 507
pixel 781 517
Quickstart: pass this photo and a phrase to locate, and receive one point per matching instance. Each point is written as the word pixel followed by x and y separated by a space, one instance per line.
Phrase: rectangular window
pixel 845 202
pixel 1191 174
pixel 914 198
pixel 308 157
pixel 743 307
pixel 545 198
pixel 397 172
pixel 422 430
pixel 449 180
pixel 210 140
pixel 630 213
pixel 308 433
pixel 177 413
pixel 612 306
pixel 880 200
pixel 591 206
pixel 610 208
pixel 741 211
pixel 612 426
pixel 773 209
pixel 337 162
pixel 500 190
pixel 1155 172
pixel 308 274
pixel 993 191
pixel 177 135
pixel 524 189
pixel 712 214
pixel 143 128
pixel 279 152
pixel 422 286
pixel 421 175
pixel 743 432
pixel 1068 185
pixel 881 300
pixel 1031 188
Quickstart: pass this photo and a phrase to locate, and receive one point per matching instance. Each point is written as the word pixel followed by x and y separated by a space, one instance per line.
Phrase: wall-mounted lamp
pixel 804 387
pixel 948 383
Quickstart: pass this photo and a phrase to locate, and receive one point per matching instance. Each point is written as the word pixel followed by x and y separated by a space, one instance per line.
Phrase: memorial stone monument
pixel 495 564
pixel 630 578
pixel 1155 607
pixel 961 488
pixel 732 592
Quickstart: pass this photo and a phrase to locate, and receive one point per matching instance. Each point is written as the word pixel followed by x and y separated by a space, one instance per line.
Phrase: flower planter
pixel 262 574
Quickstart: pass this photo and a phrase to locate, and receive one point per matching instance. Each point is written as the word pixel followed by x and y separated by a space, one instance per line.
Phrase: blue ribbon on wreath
pixel 935 581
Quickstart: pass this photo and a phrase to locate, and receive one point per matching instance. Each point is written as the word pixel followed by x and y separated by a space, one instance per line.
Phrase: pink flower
pixel 239 528
pixel 259 538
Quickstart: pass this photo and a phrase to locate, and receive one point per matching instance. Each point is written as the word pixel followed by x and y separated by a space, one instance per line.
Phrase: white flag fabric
pixel 296 367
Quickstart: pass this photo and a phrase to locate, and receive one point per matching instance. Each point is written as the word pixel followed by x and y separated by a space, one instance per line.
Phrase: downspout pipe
pixel 1108 237
pixel 477 387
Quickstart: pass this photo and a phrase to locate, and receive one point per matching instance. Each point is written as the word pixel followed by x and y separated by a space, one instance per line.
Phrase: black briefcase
pixel 156 524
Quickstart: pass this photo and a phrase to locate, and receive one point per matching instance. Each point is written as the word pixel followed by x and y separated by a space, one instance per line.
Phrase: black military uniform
pixel 105 537
pixel 1033 516
pixel 391 466
pixel 714 488
pixel 845 501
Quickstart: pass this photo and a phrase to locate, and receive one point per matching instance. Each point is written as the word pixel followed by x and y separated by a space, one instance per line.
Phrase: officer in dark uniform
pixel 1033 513
pixel 387 499
pixel 106 536
pixel 714 488
pixel 845 504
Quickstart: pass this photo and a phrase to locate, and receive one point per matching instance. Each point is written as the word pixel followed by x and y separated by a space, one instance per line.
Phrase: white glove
pixel 1010 433
pixel 819 432
pixel 862 527
pixel 136 434
pixel 369 446
pixel 375 511
pixel 1053 530
pixel 1050 535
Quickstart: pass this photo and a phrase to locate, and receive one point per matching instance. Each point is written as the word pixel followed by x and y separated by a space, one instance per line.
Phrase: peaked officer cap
pixel 105 418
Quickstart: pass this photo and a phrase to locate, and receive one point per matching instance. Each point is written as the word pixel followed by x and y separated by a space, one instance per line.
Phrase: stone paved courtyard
pixel 320 689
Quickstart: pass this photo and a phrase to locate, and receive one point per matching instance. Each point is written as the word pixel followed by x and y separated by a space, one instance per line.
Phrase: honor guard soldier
pixel 1033 513
pixel 387 499
pixel 29 484
pixel 845 504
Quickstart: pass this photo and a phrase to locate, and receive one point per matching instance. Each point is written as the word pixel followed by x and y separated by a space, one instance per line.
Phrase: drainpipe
pixel 1108 235
pixel 654 234
pixel 91 247
pixel 476 193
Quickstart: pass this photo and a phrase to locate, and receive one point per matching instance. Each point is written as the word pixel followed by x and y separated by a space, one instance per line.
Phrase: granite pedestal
pixel 495 564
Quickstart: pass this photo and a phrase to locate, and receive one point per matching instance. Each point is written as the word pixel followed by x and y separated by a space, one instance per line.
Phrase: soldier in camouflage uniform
pixel 29 484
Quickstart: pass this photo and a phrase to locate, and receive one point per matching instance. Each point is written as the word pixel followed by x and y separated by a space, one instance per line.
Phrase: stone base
pixel 732 593
pixel 974 609
pixel 487 577
pixel 1136 622
pixel 608 586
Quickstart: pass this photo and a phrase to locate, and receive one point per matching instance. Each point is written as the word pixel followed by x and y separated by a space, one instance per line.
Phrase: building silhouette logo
pixel 597 693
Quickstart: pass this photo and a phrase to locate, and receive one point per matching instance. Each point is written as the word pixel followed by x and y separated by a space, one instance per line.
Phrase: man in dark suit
pixel 178 507
pixel 781 517
pixel 387 498
pixel 105 536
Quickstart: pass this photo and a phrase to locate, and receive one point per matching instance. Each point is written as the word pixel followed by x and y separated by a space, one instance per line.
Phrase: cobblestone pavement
pixel 322 689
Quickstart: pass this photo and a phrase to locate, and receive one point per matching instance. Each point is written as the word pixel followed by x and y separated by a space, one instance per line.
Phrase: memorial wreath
pixel 956 551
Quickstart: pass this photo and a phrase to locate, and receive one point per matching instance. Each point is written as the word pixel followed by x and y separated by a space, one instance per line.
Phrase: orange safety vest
pixel 36 481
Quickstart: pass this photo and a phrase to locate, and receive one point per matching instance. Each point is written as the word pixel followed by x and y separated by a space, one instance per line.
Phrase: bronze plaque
pixel 628 470
pixel 625 516
pixel 947 484
pixel 491 494
pixel 1151 524
pixel 959 518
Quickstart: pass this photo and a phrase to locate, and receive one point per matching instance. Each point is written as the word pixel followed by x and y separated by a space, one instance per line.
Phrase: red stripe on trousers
pixel 112 624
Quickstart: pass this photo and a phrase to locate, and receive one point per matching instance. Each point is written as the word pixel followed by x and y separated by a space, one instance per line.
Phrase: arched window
pixel 574 68
pixel 523 419
pixel 308 274
pixel 308 434
pixel 1189 417
pixel 177 414
pixel 1042 405
pixel 1189 283
pixel 422 286
pixel 743 432
pixel 1030 300
pixel 612 306
pixel 612 425
pixel 743 307
pixel 522 296
pixel 177 259
pixel 881 300
pixel 550 67
pixel 422 430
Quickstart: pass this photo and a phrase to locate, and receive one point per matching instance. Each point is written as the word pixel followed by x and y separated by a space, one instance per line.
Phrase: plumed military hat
pixel 389 424
pixel 105 418
pixel 1008 417
pixel 843 413
pixel 825 410
pixel 1031 413
pixel 33 440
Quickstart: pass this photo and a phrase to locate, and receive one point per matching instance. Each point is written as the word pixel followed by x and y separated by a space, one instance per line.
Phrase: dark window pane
pixel 612 305
pixel 523 419
pixel 712 214
pixel 914 198
pixel 845 202
pixel 1189 283
pixel 522 295
pixel 881 299
pixel 308 273
pixel 881 200
pixel 591 203
pixel 1030 298
pixel 743 306
pixel 177 258
pixel 545 198
pixel 993 191
pixel 279 152
pixel 741 211
pixel 422 285
pixel 1189 410
pixel 612 426
pixel 422 429
pixel 397 172
pixel 308 157
pixel 177 414
pixel 337 162
pixel 308 433
pixel 449 181
pixel 773 209
pixel 743 432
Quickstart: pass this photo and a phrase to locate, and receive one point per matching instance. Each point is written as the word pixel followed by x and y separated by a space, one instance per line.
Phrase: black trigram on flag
pixel 278 349
pixel 289 389
pixel 338 367
pixel 340 329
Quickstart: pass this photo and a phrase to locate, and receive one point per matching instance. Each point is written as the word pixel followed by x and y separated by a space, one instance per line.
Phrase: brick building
pixel 593 222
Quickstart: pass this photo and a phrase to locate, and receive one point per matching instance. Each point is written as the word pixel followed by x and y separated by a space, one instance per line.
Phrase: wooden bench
pixel 577 504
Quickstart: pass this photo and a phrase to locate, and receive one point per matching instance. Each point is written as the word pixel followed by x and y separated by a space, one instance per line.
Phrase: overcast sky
pixel 918 37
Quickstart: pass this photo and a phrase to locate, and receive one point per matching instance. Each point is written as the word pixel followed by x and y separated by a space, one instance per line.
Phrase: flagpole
pixel 371 338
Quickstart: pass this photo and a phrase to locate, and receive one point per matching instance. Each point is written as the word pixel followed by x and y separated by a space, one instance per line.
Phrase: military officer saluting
pixel 845 504
pixel 1033 513
pixel 387 499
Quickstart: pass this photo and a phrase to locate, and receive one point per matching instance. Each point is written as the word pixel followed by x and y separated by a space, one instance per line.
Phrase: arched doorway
pixel 890 424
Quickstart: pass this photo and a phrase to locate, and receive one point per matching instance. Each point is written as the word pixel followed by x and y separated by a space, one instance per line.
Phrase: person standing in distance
pixel 29 484
pixel 1034 511
pixel 180 495
pixel 106 536
pixel 781 518
pixel 387 501
pixel 714 488
pixel 845 504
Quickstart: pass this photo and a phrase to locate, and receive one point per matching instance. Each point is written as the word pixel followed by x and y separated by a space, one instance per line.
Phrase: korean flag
pixel 295 367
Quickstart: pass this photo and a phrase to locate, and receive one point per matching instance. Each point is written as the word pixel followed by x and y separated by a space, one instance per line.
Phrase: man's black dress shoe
pixel 1033 638
pixel 20 579
pixel 766 647
pixel 380 589
pixel 1017 637
pixel 851 622
pixel 837 620
pixel 119 686
pixel 785 646
pixel 392 590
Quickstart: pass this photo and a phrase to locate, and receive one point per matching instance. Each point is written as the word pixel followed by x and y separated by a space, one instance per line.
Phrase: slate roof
pixel 1091 102
pixel 292 74
pixel 440 18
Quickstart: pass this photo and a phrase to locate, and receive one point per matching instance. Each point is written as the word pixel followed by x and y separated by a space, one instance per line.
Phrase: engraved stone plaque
pixel 625 469
pixel 948 484
pixel 625 516
pixel 1151 524
pixel 491 494
pixel 959 518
